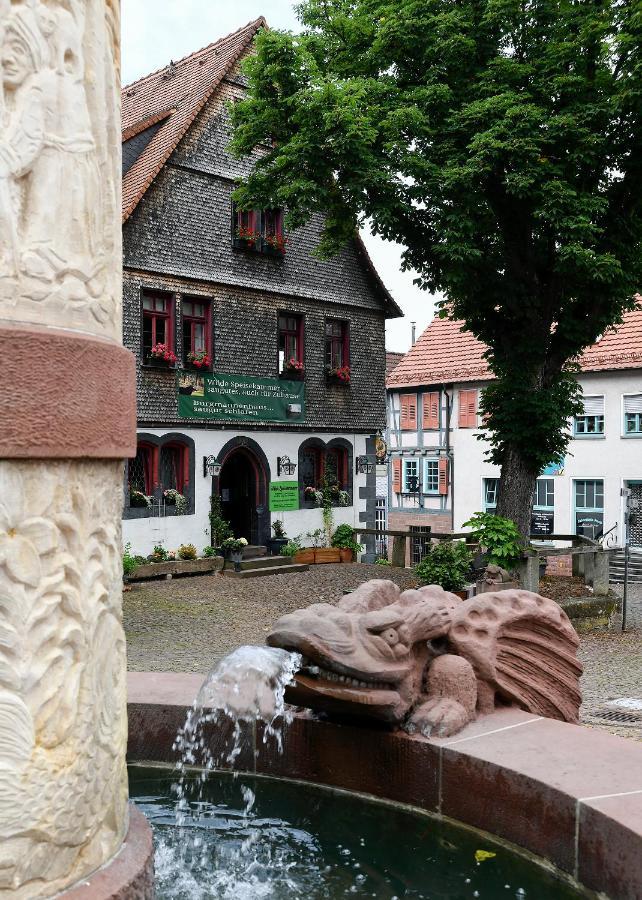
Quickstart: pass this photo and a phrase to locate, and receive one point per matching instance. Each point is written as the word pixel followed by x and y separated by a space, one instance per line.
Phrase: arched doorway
pixel 243 491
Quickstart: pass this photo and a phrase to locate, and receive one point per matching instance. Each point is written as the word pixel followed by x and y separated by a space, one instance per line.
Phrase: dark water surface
pixel 249 838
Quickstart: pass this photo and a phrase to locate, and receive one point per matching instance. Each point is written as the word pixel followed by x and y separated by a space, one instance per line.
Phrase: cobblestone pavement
pixel 188 624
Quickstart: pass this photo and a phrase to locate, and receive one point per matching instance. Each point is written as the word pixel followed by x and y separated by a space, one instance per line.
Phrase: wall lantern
pixel 211 466
pixel 363 465
pixel 284 465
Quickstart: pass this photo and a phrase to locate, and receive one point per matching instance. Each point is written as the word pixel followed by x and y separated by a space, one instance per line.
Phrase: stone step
pixel 265 570
pixel 260 562
pixel 253 551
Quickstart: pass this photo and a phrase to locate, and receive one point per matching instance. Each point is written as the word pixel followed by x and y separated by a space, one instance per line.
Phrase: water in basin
pixel 304 842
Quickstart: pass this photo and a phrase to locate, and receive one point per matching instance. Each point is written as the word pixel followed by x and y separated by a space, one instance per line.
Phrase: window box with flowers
pixel 339 375
pixel 293 370
pixel 334 494
pixel 246 237
pixel 198 361
pixel 161 357
pixel 174 498
pixel 274 244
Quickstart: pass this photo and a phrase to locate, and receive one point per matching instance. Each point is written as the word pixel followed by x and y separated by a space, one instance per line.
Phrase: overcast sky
pixel 155 31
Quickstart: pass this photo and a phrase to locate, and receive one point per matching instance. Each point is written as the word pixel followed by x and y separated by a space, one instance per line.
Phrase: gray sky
pixel 155 31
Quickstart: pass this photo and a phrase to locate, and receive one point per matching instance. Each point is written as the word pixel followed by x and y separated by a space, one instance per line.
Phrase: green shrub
pixel 209 551
pixel 129 561
pixel 278 529
pixel 382 561
pixel 187 551
pixel 343 538
pixel 499 537
pixel 220 528
pixel 447 564
pixel 293 546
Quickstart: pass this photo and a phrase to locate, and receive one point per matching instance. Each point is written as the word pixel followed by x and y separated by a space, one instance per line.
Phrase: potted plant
pixel 337 374
pixel 187 551
pixel 199 360
pixel 138 499
pixel 248 238
pixel 343 538
pixel 276 544
pixel 313 495
pixel 293 370
pixel 161 355
pixel 292 548
pixel 498 537
pixel 446 564
pixel 275 244
pixel 323 554
pixel 233 549
pixel 175 498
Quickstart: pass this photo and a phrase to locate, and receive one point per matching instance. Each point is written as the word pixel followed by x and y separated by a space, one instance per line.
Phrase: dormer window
pixel 259 230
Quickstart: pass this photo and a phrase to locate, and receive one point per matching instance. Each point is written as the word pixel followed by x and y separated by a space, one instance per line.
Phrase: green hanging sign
pixel 239 398
pixel 284 496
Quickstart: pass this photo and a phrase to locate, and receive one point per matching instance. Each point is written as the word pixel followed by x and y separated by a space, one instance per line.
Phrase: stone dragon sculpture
pixel 429 661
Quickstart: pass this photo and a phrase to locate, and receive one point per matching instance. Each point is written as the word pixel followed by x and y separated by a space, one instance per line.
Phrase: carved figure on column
pixel 51 207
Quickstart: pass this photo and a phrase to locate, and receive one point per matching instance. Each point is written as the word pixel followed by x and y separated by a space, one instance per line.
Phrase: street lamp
pixel 284 465
pixel 363 465
pixel 211 466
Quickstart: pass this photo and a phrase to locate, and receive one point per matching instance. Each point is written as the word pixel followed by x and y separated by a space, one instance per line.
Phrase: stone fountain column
pixel 67 420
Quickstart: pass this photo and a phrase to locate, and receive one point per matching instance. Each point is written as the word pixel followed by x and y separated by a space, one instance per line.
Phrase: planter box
pixel 305 556
pixel 347 556
pixel 327 555
pixel 293 375
pixel 332 379
pixel 275 545
pixel 177 567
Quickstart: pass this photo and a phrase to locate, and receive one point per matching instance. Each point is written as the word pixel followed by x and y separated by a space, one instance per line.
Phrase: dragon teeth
pixel 347 680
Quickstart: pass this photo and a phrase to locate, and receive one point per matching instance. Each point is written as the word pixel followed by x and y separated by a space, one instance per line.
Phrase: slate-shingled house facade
pixel 190 283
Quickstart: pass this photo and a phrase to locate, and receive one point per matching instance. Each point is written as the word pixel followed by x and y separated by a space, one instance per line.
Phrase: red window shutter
pixel 408 412
pixel 443 476
pixel 467 409
pixel 431 409
pixel 396 476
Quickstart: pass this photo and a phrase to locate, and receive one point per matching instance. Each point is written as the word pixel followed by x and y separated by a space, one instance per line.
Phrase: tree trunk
pixel 516 489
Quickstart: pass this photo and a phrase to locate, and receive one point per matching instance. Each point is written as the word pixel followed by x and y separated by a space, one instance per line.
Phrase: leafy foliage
pixel 447 564
pixel 293 546
pixel 500 537
pixel 498 142
pixel 344 538
pixel 129 561
pixel 382 561
pixel 210 551
pixel 159 553
pixel 278 529
pixel 220 528
pixel 187 551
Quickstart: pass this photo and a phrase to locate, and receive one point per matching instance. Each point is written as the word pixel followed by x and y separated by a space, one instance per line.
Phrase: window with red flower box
pixel 337 351
pixel 197 332
pixel 158 327
pixel 260 230
pixel 290 345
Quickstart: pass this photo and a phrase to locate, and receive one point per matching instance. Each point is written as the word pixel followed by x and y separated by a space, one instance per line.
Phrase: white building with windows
pixel 439 472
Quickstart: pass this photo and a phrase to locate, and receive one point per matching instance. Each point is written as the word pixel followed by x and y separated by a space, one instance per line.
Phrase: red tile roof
pixel 444 353
pixel 177 94
pixel 392 359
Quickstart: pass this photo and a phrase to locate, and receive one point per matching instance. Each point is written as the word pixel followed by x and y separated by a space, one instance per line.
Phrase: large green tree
pixel 499 141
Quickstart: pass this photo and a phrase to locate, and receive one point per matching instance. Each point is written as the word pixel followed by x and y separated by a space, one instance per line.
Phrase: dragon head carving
pixel 372 655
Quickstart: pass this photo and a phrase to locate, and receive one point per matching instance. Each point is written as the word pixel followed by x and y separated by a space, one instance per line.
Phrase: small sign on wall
pixel 542 523
pixel 284 496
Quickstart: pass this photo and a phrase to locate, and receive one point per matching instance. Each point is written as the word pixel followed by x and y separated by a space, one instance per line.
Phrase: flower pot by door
pixel 347 556
pixel 236 557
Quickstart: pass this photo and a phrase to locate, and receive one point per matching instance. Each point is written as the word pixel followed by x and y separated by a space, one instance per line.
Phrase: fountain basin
pixel 299 840
pixel 568 794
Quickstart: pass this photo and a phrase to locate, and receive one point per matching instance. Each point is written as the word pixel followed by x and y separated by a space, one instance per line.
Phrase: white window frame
pixel 595 403
pixel 637 413
pixel 489 506
pixel 405 464
pixel 426 489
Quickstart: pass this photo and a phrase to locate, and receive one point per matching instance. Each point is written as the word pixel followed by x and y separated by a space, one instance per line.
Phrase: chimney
pixel 413 333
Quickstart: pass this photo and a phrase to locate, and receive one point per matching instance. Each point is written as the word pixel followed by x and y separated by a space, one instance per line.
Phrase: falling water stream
pixel 240 837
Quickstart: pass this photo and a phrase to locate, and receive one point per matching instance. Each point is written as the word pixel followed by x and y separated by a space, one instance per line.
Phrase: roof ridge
pixel 254 24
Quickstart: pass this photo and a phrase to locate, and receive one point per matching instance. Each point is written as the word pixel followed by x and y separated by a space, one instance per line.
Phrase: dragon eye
pixel 390 636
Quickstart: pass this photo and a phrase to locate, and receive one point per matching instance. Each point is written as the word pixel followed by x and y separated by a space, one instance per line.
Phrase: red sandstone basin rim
pixel 568 794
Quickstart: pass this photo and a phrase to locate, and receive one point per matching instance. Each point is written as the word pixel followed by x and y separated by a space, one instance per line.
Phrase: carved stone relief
pixel 63 725
pixel 59 164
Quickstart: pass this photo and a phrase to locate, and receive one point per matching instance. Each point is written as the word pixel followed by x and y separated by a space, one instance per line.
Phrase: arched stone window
pixel 320 463
pixel 161 463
